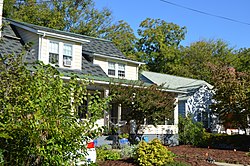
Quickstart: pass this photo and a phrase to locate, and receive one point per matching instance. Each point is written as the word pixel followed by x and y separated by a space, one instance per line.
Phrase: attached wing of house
pixel 195 100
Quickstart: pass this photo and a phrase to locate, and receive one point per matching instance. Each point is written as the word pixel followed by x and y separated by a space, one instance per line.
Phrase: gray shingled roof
pixel 103 47
pixel 173 82
pixel 10 43
pixel 96 45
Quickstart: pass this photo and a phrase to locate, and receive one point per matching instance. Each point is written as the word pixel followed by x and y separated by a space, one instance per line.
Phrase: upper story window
pixel 121 70
pixel 54 52
pixel 67 54
pixel 116 69
pixel 111 68
pixel 60 53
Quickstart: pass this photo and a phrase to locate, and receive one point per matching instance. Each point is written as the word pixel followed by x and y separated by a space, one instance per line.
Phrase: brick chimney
pixel 1 17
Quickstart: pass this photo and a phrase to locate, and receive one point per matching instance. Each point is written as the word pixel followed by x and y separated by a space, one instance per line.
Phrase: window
pixel 121 70
pixel 111 68
pixel 54 52
pixel 60 53
pixel 116 69
pixel 67 54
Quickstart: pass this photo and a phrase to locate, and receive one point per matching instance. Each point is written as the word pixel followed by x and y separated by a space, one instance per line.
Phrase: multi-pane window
pixel 111 68
pixel 121 70
pixel 67 54
pixel 54 52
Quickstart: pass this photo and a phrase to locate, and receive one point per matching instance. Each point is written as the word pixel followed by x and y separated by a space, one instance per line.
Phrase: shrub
pixel 153 153
pixel 192 133
pixel 128 151
pixel 107 154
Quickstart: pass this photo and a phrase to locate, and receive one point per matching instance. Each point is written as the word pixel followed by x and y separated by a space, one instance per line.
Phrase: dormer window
pixel 116 69
pixel 111 68
pixel 121 70
pixel 60 53
pixel 54 52
pixel 67 54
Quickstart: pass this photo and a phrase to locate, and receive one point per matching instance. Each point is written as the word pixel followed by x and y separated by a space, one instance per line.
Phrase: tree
pixel 38 121
pixel 158 44
pixel 122 35
pixel 141 102
pixel 77 16
pixel 196 57
pixel 232 96
pixel 242 60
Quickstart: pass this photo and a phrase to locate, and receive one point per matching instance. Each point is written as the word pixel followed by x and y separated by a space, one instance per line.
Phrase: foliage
pixel 242 62
pixel 1 157
pixel 38 120
pixel 142 102
pixel 79 16
pixel 232 96
pixel 128 151
pixel 191 133
pixel 107 154
pixel 124 135
pixel 195 58
pixel 158 44
pixel 224 141
pixel 153 153
pixel 122 35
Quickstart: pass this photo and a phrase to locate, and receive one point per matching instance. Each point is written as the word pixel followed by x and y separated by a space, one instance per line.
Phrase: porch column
pixel 119 113
pixel 106 112
pixel 176 112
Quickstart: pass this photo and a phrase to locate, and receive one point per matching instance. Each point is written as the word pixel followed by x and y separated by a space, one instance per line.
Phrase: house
pixel 196 99
pixel 88 57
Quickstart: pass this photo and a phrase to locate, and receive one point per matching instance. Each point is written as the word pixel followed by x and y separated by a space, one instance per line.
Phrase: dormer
pixel 112 61
pixel 58 48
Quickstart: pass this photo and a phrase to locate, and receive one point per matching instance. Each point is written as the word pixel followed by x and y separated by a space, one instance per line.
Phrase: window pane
pixel 121 67
pixel 111 72
pixel 53 58
pixel 67 49
pixel 54 47
pixel 111 65
pixel 121 73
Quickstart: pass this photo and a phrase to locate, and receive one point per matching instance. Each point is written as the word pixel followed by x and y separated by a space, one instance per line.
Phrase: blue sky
pixel 199 26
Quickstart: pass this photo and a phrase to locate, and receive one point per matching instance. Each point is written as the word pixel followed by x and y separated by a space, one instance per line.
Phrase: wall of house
pixel 77 52
pixel 28 37
pixel 198 105
pixel 131 69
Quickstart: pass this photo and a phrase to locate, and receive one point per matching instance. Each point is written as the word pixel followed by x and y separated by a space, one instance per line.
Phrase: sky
pixel 199 26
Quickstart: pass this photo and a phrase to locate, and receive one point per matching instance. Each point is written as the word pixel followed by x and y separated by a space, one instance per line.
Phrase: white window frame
pixel 67 54
pixel 62 53
pixel 117 69
pixel 112 68
pixel 121 70
pixel 54 51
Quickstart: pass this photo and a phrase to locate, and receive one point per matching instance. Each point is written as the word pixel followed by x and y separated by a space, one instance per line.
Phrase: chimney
pixel 1 17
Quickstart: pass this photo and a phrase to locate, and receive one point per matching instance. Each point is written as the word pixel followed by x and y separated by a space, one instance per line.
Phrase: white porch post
pixel 119 113
pixel 106 112
pixel 176 112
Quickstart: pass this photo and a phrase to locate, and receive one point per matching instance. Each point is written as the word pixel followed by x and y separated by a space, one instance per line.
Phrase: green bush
pixel 128 151
pixel 153 153
pixel 107 154
pixel 192 133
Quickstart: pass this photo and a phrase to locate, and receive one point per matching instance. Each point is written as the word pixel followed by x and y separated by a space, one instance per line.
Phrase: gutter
pixel 116 58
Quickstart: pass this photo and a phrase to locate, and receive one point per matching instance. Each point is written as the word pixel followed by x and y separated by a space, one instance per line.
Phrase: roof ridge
pixel 67 32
